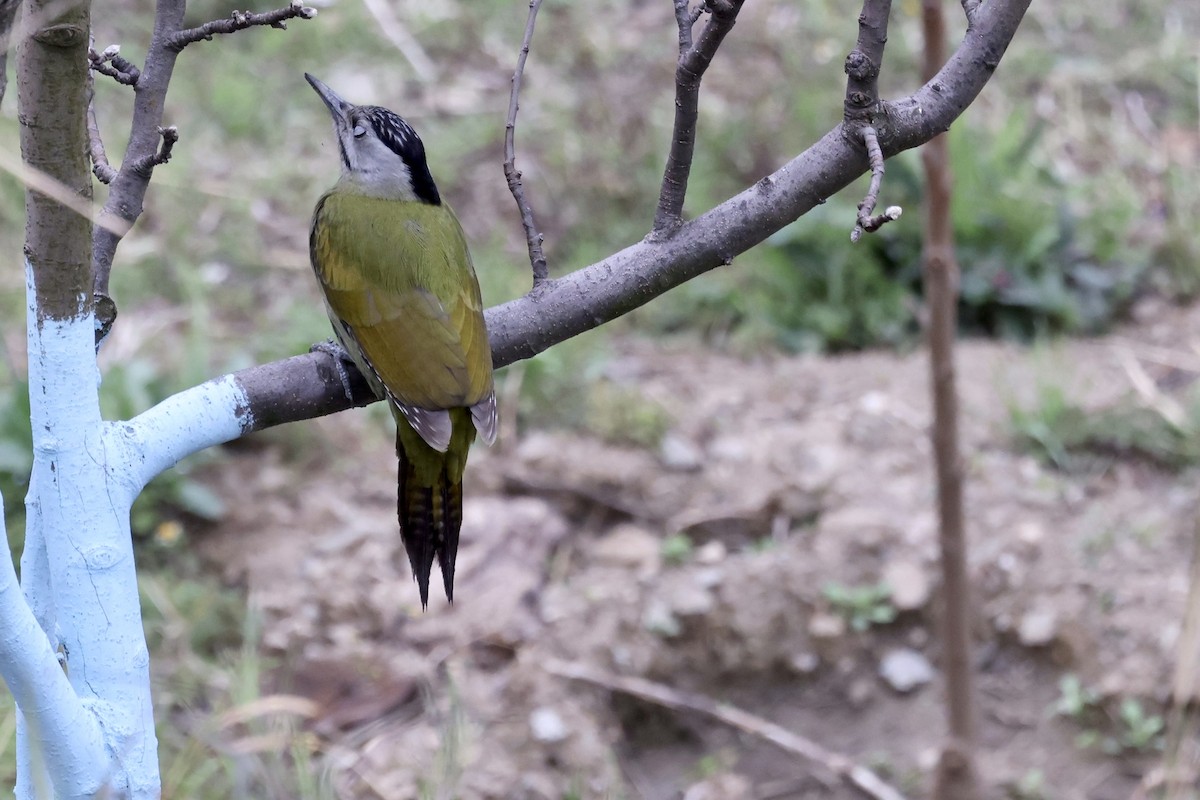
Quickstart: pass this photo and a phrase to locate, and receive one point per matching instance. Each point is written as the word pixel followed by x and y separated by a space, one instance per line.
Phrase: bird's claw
pixel 341 357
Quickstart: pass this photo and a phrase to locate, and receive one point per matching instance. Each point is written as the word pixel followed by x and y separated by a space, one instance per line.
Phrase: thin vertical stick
pixel 957 778
pixel 533 237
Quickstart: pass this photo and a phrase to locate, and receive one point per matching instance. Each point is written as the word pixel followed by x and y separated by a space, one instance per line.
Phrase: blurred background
pixel 729 490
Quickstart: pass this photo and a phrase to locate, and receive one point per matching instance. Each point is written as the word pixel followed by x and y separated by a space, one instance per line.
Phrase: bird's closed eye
pixel 359 131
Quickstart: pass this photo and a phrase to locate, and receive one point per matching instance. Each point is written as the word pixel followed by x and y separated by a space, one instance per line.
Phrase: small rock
pixel 1038 627
pixel 873 402
pixel 727 786
pixel 908 583
pixel 905 670
pixel 689 600
pixel 629 546
pixel 729 448
pixel 1031 533
pixel 679 454
pixel 805 663
pixel 859 693
pixel 918 637
pixel 709 577
pixel 547 725
pixel 658 619
pixel 927 759
pixel 826 626
pixel 713 552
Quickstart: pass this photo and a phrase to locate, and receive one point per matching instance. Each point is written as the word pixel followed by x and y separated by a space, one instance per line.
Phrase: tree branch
pixel 239 21
pixel 145 165
pixel 114 65
pixel 533 238
pixel 307 386
pixel 148 140
pixel 858 776
pixel 957 777
pixel 866 60
pixel 66 734
pixel 694 59
pixel 862 105
pixel 865 221
pixel 103 171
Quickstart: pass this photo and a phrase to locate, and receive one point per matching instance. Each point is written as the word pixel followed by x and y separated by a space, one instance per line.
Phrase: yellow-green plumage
pixel 404 302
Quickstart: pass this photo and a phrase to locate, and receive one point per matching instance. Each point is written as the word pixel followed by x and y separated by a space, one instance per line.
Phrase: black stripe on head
pixel 399 136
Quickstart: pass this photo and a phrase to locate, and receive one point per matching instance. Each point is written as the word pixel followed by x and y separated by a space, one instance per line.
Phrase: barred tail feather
pixel 430 520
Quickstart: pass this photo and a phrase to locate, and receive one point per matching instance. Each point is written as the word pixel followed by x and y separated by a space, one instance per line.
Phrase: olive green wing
pixel 399 278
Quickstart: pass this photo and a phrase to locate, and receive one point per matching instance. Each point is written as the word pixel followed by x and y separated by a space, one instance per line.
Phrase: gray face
pixel 382 156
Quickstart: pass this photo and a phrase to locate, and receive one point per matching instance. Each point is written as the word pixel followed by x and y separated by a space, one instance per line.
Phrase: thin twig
pixel 858 776
pixel 1162 404
pixel 114 65
pixel 865 221
pixel 694 59
pixel 862 98
pixel 146 164
pixel 103 171
pixel 533 238
pixel 957 777
pixel 238 21
pixel 685 18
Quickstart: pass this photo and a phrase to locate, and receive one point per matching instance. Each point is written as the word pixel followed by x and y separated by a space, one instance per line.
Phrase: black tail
pixel 430 521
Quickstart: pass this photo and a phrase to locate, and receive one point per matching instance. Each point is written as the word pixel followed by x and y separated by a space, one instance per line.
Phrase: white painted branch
pixel 64 735
pixel 212 413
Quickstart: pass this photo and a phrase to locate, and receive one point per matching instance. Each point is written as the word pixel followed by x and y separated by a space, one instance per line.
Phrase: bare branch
pixel 146 164
pixel 149 143
pixel 686 18
pixel 865 61
pixel 239 21
pixel 693 62
pixel 533 238
pixel 862 106
pixel 114 65
pixel 103 171
pixel 858 776
pixel 307 386
pixel 866 222
pixel 969 8
pixel 957 776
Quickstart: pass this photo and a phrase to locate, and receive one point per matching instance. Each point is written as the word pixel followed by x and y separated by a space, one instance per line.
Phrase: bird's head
pixel 382 156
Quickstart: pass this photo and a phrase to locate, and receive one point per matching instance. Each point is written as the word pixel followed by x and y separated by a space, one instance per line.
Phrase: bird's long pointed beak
pixel 337 106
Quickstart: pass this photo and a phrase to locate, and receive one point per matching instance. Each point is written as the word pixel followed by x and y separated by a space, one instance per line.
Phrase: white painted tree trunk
pixel 72 648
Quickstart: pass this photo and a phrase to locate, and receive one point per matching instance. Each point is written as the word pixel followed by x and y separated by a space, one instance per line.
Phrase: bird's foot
pixel 341 357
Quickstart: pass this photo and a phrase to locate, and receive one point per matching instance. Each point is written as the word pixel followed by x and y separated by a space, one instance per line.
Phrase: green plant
pixel 1075 700
pixel 676 548
pixel 1031 786
pixel 1133 729
pixel 861 606
pixel 219 735
pixel 1138 730
pixel 1072 438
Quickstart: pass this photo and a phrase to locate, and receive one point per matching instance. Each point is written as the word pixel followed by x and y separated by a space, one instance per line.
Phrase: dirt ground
pixel 787 475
